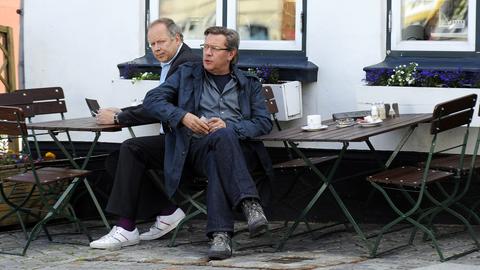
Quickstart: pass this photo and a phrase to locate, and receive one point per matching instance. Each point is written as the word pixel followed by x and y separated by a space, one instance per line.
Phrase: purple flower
pixel 423 77
pixel 378 76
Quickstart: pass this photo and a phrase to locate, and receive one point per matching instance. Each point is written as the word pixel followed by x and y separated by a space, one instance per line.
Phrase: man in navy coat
pixel 213 109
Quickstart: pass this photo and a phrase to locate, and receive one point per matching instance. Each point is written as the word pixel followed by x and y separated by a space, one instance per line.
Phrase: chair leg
pixel 58 207
pixel 444 205
pixel 22 224
pixel 301 217
pixel 72 217
pixel 71 212
pixel 402 216
pixel 180 225
pixel 472 212
pixel 33 234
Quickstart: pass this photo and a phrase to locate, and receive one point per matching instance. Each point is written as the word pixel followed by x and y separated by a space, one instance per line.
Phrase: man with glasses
pixel 133 195
pixel 213 109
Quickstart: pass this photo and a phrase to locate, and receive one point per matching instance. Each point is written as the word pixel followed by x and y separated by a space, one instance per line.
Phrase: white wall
pixel 343 37
pixel 77 44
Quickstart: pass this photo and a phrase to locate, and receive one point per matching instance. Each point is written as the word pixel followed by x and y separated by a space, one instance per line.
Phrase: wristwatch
pixel 115 119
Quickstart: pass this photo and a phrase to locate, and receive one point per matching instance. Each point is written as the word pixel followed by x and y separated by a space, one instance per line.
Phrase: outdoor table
pixel 345 136
pixel 85 124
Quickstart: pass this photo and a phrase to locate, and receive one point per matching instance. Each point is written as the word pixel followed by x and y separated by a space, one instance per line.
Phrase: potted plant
pixel 145 76
pixel 416 89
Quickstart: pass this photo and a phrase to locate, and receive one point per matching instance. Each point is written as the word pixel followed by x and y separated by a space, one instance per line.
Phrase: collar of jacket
pixel 198 72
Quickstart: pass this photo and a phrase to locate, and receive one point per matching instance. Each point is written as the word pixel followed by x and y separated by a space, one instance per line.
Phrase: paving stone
pixel 335 250
pixel 449 266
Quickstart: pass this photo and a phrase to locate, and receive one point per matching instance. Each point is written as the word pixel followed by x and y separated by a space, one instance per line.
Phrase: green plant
pixel 413 75
pixel 145 76
pixel 403 75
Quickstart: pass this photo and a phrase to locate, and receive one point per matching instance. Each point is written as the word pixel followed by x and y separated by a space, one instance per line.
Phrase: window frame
pixel 293 65
pixel 226 16
pixel 431 48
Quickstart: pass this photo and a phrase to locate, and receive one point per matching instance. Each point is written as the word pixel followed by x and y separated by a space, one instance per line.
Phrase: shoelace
pixel 220 240
pixel 254 210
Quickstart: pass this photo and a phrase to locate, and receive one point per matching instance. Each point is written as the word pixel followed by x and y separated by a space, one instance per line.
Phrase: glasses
pixel 213 48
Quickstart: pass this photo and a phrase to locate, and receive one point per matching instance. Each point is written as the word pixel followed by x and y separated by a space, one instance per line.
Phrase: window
pixel 441 36
pixel 272 32
pixel 432 25
pixel 262 25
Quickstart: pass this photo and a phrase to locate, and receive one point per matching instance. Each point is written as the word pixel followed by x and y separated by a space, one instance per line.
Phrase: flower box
pixel 412 99
pixel 288 96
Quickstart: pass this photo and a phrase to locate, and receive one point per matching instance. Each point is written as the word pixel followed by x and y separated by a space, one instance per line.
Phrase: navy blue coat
pixel 136 115
pixel 181 93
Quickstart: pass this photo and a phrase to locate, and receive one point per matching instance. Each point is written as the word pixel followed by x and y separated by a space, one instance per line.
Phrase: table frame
pixel 345 136
pixel 85 124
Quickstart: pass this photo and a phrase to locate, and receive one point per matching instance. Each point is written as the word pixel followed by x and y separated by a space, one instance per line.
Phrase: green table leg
pixel 84 165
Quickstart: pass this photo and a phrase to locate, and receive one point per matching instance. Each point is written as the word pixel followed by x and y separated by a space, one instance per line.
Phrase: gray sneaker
pixel 257 222
pixel 220 246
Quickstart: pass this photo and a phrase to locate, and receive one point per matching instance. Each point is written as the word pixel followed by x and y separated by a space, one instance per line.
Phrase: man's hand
pixel 106 116
pixel 112 109
pixel 215 123
pixel 195 124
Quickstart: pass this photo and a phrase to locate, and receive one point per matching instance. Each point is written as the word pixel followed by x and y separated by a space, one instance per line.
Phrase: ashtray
pixel 344 122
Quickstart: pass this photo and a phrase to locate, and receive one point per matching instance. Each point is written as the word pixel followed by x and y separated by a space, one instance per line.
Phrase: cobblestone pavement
pixel 334 249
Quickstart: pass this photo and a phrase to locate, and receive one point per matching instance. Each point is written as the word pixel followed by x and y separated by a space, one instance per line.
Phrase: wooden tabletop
pixel 354 133
pixel 75 124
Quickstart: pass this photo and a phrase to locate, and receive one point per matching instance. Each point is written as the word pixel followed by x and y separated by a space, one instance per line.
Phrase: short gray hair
pixel 233 39
pixel 173 29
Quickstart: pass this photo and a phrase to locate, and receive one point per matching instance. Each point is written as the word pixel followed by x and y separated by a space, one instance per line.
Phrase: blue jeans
pixel 226 162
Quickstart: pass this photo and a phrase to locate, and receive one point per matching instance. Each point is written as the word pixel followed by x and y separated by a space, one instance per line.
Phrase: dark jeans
pixel 134 195
pixel 226 162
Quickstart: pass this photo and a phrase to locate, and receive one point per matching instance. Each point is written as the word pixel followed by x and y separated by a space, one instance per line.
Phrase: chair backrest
pixel 46 100
pixel 18 99
pixel 270 99
pixel 271 104
pixel 12 121
pixel 453 113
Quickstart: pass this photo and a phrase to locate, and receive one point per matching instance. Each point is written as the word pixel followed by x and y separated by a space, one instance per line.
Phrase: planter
pixel 412 99
pixel 125 93
pixel 288 96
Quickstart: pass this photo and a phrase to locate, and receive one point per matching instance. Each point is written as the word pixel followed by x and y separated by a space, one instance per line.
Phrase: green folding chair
pixel 468 172
pixel 295 165
pixel 416 184
pixel 45 194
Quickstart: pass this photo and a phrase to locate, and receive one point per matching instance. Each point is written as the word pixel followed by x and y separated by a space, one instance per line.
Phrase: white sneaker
pixel 163 225
pixel 117 238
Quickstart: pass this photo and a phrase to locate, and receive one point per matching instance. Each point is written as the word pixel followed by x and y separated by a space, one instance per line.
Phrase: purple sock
pixel 126 223
pixel 168 210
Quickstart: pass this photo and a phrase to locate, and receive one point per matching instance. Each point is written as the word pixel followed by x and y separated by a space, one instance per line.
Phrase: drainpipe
pixel 21 55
